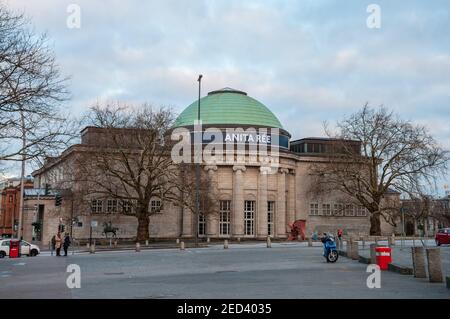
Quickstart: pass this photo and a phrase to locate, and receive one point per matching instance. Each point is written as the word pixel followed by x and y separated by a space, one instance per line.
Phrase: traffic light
pixel 58 199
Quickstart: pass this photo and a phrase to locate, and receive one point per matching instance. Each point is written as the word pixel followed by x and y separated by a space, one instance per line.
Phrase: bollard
pixel 269 243
pixel 146 242
pixel 92 249
pixel 349 248
pixel 239 240
pixel 225 244
pixel 178 241
pixel 208 240
pixel 355 251
pixel 434 264
pixel 115 244
pixel 373 254
pixel 138 247
pixel 87 245
pixel 391 240
pixel 418 259
pixel 182 245
pixel 309 242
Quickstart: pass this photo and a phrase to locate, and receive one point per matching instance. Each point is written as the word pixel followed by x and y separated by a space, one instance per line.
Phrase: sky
pixel 310 62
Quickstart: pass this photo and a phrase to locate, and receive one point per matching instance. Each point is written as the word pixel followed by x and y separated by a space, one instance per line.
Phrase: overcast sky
pixel 308 61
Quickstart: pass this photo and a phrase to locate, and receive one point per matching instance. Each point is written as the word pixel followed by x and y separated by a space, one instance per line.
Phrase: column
pixel 212 220
pixel 280 211
pixel 262 230
pixel 290 214
pixel 238 201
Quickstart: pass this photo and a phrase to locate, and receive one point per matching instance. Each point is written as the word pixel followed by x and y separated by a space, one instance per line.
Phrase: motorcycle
pixel 329 249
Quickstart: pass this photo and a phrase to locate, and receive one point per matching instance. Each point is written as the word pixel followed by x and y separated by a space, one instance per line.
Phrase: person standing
pixel 66 244
pixel 339 233
pixel 58 242
pixel 53 244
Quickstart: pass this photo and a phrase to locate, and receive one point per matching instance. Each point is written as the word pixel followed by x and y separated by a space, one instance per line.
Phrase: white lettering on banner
pixel 248 138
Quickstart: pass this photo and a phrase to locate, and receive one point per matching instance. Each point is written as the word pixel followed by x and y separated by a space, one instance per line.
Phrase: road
pixel 287 270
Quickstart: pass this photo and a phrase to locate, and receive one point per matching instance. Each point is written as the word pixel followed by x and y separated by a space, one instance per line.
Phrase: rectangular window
pixel 249 217
pixel 349 210
pixel 361 212
pixel 326 209
pixel 225 217
pixel 10 198
pixel 314 209
pixel 96 206
pixel 201 225
pixel 126 206
pixel 270 218
pixel 155 205
pixel 338 210
pixel 111 206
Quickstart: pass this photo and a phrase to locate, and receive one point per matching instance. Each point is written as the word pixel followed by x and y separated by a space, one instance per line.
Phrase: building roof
pixel 228 106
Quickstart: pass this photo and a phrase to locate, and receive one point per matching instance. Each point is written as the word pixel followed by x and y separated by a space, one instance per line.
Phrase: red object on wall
pixel 14 249
pixel 384 257
pixel 297 229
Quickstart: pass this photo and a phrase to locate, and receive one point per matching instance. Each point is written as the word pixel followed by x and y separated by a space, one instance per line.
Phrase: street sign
pixel 94 223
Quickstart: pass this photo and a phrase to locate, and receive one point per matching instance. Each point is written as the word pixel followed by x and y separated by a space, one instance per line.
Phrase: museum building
pixel 255 199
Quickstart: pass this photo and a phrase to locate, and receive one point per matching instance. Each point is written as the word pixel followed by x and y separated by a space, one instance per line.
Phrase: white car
pixel 25 248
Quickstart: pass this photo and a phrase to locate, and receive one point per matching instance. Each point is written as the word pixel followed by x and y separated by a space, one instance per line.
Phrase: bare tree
pixel 373 153
pixel 130 160
pixel 187 195
pixel 31 91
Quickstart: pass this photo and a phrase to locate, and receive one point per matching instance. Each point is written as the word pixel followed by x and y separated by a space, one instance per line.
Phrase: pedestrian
pixel 58 241
pixel 339 233
pixel 53 244
pixel 66 244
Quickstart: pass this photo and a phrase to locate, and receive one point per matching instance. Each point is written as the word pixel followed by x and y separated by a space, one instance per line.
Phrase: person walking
pixel 339 234
pixel 66 244
pixel 58 241
pixel 53 244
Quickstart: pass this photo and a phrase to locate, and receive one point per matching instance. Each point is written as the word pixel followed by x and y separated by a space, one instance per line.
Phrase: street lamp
pixel 197 166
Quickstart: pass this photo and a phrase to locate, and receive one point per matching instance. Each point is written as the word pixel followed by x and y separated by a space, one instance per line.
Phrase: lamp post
pixel 197 167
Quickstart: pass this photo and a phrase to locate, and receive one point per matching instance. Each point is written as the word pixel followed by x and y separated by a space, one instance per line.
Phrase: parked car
pixel 442 236
pixel 25 248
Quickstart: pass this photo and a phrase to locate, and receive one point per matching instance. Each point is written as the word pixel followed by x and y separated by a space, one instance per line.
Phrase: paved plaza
pixel 287 270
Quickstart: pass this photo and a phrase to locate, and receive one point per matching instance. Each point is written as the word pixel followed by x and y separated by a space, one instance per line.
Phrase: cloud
pixel 308 61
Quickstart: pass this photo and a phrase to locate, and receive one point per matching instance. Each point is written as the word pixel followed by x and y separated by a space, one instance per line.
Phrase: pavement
pixel 287 271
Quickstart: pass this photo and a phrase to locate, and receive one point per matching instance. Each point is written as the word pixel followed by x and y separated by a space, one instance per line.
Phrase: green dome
pixel 228 106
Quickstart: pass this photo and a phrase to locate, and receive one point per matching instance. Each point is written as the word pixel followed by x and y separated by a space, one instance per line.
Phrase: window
pixel 338 210
pixel 314 209
pixel 225 217
pixel 326 209
pixel 127 206
pixel 97 206
pixel 249 217
pixel 361 211
pixel 111 206
pixel 10 198
pixel 201 225
pixel 349 210
pixel 270 218
pixel 155 205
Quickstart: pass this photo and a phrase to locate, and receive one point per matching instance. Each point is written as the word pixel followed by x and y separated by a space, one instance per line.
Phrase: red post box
pixel 384 257
pixel 14 248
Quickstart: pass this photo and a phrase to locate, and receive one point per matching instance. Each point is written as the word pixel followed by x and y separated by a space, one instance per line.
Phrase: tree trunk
pixel 142 230
pixel 375 224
